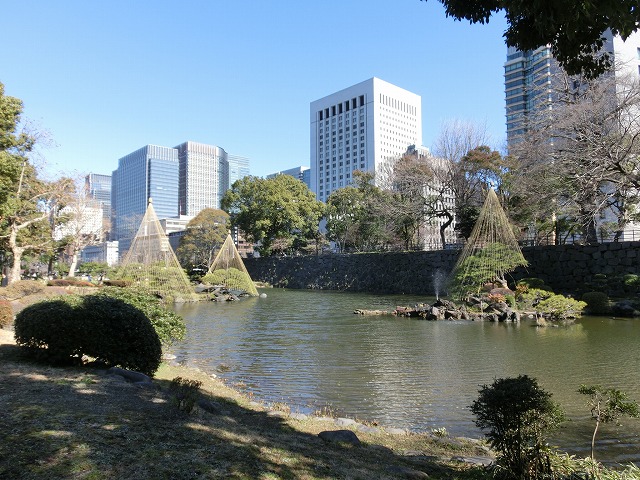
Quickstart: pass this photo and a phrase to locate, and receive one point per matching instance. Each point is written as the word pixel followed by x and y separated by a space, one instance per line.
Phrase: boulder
pixel 129 375
pixel 339 436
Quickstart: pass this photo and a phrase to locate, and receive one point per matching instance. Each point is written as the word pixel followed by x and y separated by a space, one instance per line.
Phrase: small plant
pixel 6 313
pixel 496 298
pixel 597 302
pixel 559 307
pixel 607 405
pixel 439 432
pixel 517 415
pixel 185 393
pixel 531 297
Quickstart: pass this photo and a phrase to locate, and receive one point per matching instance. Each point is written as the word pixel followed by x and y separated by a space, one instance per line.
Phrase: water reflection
pixel 309 349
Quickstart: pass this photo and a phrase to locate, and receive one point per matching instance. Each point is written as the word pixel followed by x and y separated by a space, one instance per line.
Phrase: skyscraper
pixel 301 173
pixel 204 177
pixel 238 168
pixel 150 172
pixel 98 188
pixel 529 78
pixel 360 128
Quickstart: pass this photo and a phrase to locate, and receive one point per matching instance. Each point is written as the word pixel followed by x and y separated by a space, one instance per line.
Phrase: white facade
pixel 204 177
pixel 360 128
pixel 85 220
pixel 106 252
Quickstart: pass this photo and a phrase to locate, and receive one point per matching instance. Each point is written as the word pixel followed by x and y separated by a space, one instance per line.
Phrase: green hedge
pixel 168 325
pixel 64 329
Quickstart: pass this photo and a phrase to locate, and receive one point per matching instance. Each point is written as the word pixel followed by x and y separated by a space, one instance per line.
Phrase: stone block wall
pixel 565 268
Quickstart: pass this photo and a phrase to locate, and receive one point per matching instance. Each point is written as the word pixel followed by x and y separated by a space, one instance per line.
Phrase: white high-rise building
pixel 360 128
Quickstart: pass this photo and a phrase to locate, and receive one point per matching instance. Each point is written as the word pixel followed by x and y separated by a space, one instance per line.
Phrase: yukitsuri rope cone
pixel 151 263
pixel 228 269
pixel 490 252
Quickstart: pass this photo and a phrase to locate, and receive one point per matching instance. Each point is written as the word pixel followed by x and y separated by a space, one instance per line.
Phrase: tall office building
pixel 204 177
pixel 238 168
pixel 360 128
pixel 301 173
pixel 150 172
pixel 98 188
pixel 530 76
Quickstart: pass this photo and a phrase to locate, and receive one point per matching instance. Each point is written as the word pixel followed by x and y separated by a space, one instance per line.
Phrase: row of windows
pixel 341 107
pixel 397 104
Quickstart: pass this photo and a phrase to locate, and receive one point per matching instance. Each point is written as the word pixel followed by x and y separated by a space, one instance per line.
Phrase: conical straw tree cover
pixel 491 251
pixel 228 269
pixel 151 263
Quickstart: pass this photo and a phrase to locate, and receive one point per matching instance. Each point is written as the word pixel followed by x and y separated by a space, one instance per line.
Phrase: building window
pixel 362 100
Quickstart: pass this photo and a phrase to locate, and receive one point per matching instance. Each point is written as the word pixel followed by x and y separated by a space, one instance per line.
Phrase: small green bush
pixel 597 302
pixel 120 334
pixel 169 325
pixel 231 278
pixel 62 330
pixel 559 307
pixel 49 330
pixel 517 414
pixel 530 298
pixel 6 313
pixel 185 393
pixel 21 288
pixel 533 282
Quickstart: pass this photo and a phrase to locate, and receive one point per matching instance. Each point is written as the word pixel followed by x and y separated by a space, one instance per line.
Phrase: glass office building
pixel 150 172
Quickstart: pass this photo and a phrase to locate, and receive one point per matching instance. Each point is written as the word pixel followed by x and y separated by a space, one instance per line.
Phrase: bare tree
pixel 78 223
pixel 582 155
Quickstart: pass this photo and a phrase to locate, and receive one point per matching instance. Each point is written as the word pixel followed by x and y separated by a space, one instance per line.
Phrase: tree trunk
pixel 74 263
pixel 444 226
pixel 16 252
pixel 593 440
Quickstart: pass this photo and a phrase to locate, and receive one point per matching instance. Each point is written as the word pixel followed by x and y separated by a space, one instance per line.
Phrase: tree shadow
pixel 82 423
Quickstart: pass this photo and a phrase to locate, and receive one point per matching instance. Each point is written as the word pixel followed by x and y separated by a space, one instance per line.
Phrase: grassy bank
pixel 81 423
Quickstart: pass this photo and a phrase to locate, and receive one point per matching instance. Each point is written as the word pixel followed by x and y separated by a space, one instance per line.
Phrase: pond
pixel 306 348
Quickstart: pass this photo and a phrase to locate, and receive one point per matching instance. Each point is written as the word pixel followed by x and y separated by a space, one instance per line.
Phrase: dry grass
pixel 79 423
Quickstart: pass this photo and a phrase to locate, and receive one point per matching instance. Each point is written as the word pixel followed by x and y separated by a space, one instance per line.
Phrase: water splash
pixel 439 278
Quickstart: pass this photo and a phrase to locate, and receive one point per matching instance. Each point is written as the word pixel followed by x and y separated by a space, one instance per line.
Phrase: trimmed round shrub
pixel 6 313
pixel 597 302
pixel 62 330
pixel 231 278
pixel 168 325
pixel 49 330
pixel 120 334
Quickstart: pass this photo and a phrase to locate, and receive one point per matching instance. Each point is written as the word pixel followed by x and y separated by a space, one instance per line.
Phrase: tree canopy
pixel 205 234
pixel 573 29
pixel 266 210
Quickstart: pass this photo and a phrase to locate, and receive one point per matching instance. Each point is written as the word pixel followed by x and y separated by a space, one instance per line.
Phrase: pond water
pixel 308 349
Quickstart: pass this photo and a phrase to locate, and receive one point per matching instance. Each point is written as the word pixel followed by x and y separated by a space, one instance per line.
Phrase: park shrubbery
pixel 231 278
pixel 110 330
pixel 6 313
pixel 21 288
pixel 69 282
pixel 168 325
pixel 597 302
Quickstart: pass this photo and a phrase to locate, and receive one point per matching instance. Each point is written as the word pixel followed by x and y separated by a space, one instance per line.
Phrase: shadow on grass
pixel 80 423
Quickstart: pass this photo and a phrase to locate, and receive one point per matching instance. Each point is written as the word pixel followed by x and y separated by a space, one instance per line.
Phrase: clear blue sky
pixel 108 77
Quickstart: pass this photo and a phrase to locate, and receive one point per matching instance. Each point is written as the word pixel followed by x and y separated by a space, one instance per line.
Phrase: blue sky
pixel 106 78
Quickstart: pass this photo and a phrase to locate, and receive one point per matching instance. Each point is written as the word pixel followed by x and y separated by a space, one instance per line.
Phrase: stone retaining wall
pixel 565 268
